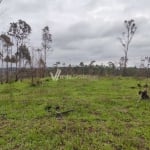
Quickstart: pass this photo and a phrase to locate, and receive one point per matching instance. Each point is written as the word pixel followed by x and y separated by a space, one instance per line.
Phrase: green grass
pixel 108 115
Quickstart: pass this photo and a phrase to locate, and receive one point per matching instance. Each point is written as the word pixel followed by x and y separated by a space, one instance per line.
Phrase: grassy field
pixel 107 115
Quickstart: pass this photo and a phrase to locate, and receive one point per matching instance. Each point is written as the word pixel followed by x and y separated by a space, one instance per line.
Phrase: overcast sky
pixel 83 30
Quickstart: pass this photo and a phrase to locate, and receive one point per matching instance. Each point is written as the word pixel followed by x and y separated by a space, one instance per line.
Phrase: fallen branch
pixel 60 114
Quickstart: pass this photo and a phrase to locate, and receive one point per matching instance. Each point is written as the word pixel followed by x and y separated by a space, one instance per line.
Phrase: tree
pixel 82 67
pixel 19 31
pixel 6 44
pixel 41 66
pixel 24 54
pixel 126 39
pixel 46 42
pixel 147 59
pixel 92 63
pixel 121 62
pixel 111 65
pixel 1 57
pixel 13 59
pixel 1 70
pixel 81 64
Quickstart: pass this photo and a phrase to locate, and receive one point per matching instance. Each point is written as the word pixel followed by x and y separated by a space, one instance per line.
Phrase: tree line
pixel 111 69
pixel 16 54
pixel 20 60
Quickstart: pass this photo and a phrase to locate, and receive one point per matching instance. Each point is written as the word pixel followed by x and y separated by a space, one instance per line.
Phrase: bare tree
pixel 41 66
pixel 92 63
pixel 147 59
pixel 126 38
pixel 40 62
pixel 46 42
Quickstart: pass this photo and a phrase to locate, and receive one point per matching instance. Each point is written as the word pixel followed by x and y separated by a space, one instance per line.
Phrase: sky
pixel 83 30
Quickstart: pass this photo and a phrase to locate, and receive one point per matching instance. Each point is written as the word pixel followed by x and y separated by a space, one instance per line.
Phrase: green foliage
pixel 108 115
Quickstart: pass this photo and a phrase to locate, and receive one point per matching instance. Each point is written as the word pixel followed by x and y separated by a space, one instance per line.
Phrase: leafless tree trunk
pixel 46 43
pixel 126 39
